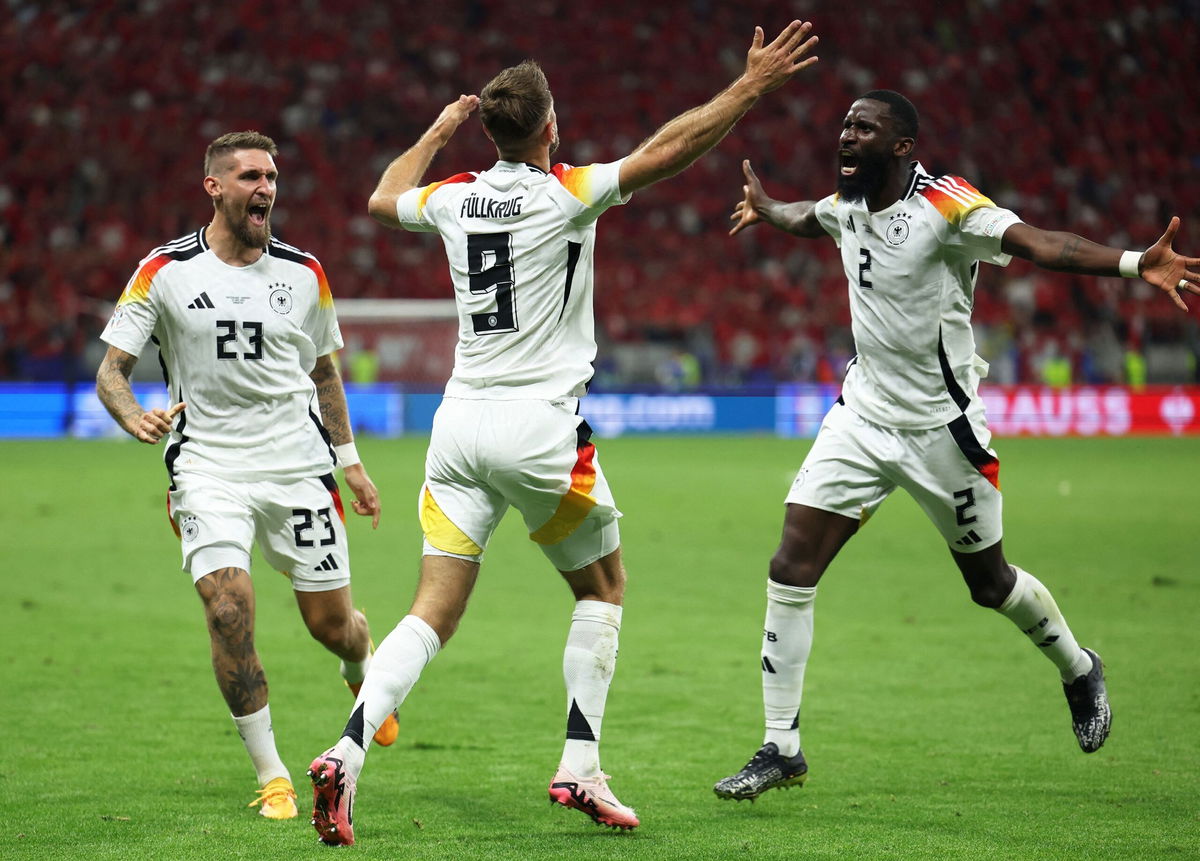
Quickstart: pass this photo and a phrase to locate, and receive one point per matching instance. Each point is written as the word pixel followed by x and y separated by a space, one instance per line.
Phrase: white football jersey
pixel 237 344
pixel 912 270
pixel 520 243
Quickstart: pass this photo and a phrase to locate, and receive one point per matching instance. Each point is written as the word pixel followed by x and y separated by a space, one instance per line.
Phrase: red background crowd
pixel 1080 116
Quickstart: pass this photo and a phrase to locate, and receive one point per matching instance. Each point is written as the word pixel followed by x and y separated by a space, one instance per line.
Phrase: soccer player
pixel 909 415
pixel 519 238
pixel 245 329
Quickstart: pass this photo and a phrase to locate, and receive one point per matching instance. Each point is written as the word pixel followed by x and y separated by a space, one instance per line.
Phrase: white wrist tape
pixel 347 455
pixel 1128 266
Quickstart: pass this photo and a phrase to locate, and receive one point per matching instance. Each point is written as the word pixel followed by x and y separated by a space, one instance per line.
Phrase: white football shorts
pixel 298 524
pixel 855 464
pixel 485 455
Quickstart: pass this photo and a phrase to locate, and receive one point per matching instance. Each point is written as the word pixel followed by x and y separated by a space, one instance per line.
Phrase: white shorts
pixel 534 455
pixel 951 473
pixel 298 524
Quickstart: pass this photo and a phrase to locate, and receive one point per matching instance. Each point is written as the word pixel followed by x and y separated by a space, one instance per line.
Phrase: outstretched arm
pixel 687 137
pixel 114 391
pixel 331 399
pixel 406 171
pixel 799 218
pixel 1159 265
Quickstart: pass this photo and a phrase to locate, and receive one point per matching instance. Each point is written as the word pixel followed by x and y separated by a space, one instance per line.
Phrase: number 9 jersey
pixel 519 242
pixel 237 344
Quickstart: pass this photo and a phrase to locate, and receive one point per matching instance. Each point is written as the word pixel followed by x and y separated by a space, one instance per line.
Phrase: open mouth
pixel 258 214
pixel 847 163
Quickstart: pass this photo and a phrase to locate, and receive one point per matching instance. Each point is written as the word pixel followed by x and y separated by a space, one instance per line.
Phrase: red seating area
pixel 1080 116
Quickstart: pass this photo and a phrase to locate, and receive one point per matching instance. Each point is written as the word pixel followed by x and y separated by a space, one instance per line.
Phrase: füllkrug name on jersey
pixel 485 207
pixel 237 345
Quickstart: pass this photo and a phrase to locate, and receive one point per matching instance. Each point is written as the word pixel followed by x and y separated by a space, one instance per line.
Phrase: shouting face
pixel 243 191
pixel 866 150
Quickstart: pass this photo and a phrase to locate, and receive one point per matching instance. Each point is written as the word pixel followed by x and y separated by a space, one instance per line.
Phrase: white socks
pixel 395 668
pixel 355 671
pixel 259 739
pixel 787 640
pixel 1031 607
pixel 589 659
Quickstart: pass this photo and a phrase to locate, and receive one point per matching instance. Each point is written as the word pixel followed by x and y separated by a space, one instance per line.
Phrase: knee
pixel 794 569
pixel 228 615
pixel 334 630
pixel 992 590
pixel 602 580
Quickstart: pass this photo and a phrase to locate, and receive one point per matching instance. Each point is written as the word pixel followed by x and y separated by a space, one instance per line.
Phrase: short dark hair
pixel 902 110
pixel 516 104
pixel 233 141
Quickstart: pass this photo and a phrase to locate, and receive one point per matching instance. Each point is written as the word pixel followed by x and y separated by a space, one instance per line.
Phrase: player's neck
pixel 228 248
pixel 538 156
pixel 892 190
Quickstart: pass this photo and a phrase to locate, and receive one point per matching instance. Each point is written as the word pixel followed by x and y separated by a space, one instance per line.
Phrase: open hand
pixel 746 213
pixel 771 66
pixel 1170 272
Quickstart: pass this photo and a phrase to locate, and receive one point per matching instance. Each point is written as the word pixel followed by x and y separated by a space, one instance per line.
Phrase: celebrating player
pixel 909 415
pixel 519 238
pixel 245 329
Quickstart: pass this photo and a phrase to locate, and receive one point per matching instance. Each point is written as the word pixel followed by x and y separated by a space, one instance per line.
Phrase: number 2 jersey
pixel 519 242
pixel 237 345
pixel 912 269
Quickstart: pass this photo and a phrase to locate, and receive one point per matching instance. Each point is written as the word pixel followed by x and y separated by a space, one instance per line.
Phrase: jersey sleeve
pixel 417 211
pixel 975 224
pixel 325 333
pixel 595 187
pixel 136 314
pixel 827 217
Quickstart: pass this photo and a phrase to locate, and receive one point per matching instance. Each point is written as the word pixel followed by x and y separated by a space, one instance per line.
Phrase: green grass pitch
pixel 932 727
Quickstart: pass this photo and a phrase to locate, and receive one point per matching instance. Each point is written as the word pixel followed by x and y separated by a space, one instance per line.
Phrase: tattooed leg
pixel 228 597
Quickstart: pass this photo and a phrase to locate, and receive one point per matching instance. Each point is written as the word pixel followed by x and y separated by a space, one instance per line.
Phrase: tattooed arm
pixel 114 391
pixel 1066 252
pixel 331 398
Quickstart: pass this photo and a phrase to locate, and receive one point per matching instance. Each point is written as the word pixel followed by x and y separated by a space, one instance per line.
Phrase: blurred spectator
pixel 1073 113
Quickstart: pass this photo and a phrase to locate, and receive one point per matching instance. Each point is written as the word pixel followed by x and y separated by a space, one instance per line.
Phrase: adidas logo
pixel 202 301
pixel 327 564
pixel 970 538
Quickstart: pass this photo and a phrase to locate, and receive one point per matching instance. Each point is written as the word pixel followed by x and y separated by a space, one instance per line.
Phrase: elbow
pixel 382 207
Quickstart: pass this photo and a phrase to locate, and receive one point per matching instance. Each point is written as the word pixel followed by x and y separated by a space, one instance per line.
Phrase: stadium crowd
pixel 1077 114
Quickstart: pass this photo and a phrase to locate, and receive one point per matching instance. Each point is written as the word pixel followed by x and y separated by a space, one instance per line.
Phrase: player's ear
pixel 903 147
pixel 212 185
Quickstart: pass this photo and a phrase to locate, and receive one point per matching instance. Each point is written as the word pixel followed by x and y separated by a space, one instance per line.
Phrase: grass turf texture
pixel 932 727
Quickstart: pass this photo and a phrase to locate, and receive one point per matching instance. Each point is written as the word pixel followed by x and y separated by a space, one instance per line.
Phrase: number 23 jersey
pixel 519 242
pixel 912 268
pixel 237 345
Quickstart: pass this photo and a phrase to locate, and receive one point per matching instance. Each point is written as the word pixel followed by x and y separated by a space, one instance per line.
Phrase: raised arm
pixel 114 391
pixel 799 218
pixel 406 171
pixel 687 137
pixel 335 416
pixel 1159 265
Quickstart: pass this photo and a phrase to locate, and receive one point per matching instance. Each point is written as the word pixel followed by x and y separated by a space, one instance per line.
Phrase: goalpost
pixel 404 340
